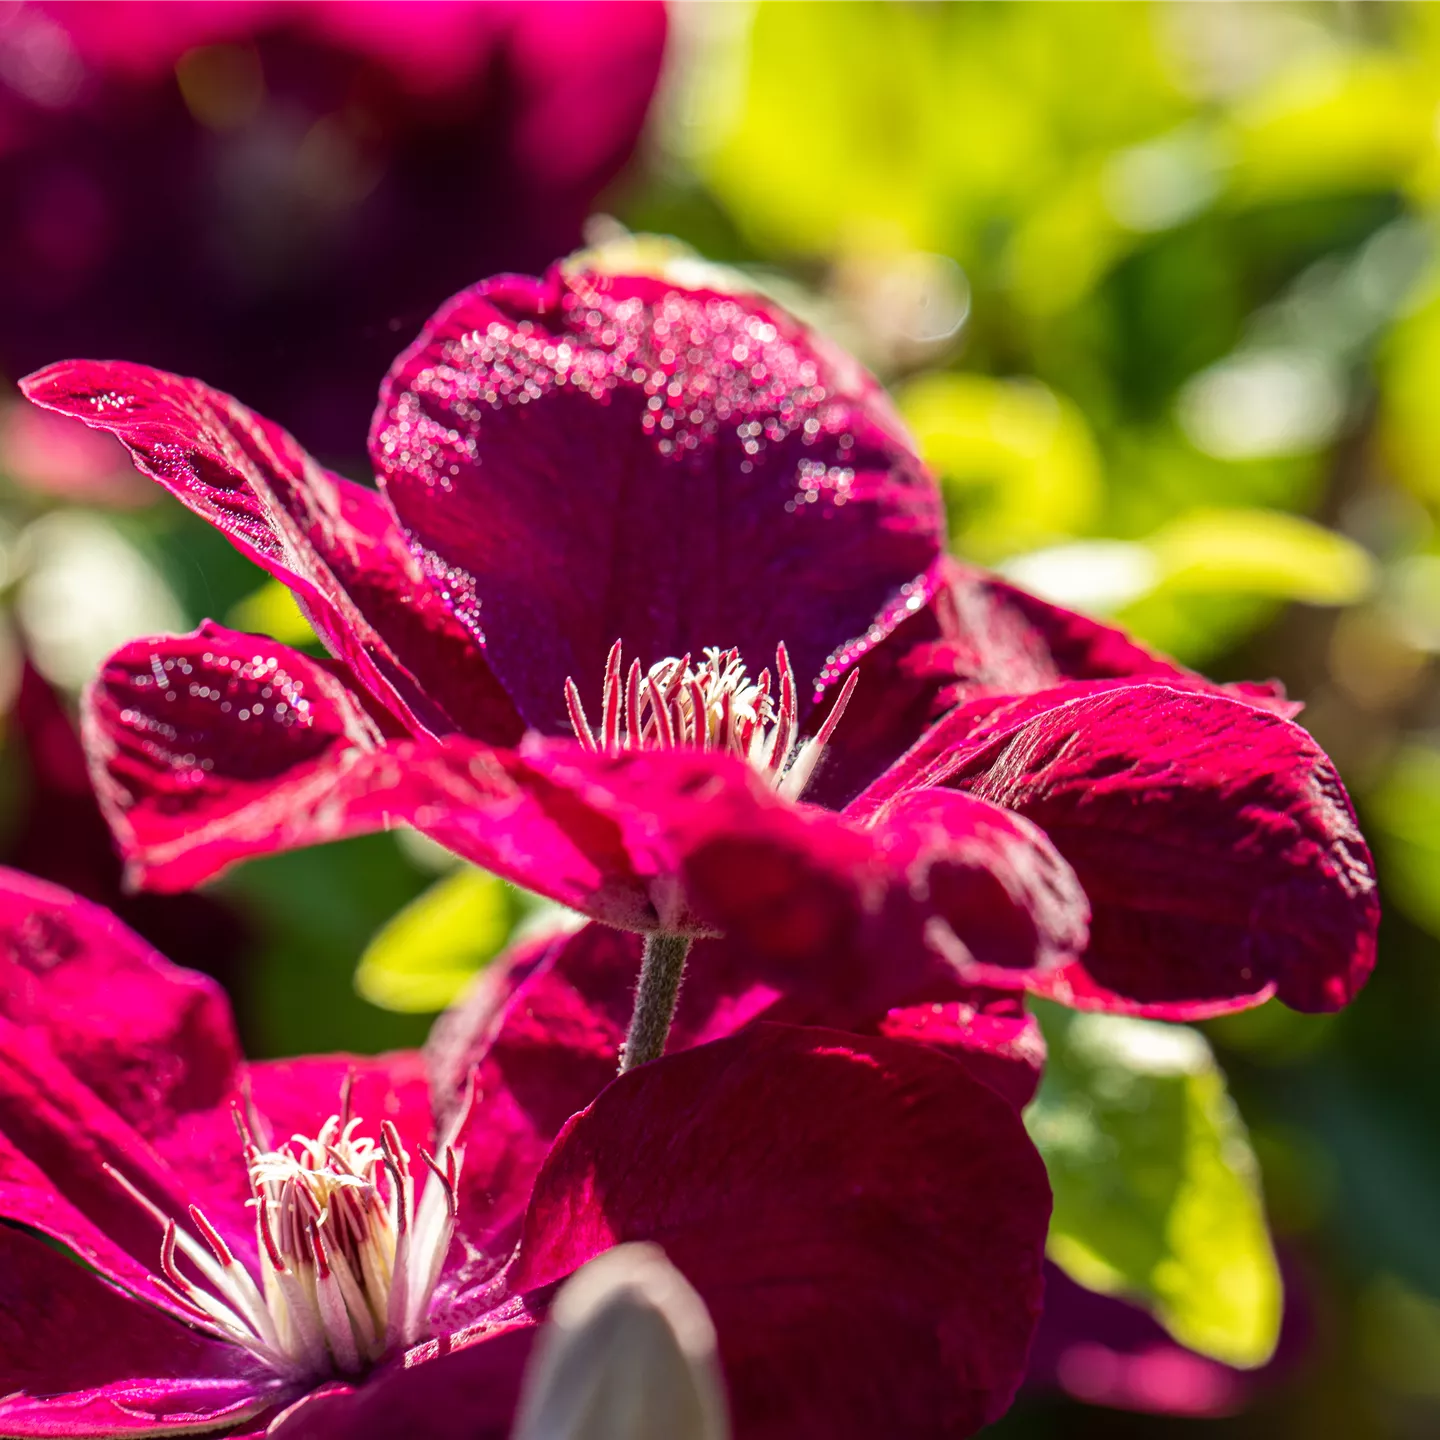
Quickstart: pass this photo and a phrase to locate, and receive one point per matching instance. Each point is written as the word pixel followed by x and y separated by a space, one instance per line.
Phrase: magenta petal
pixel 1214 839
pixel 1001 639
pixel 992 876
pixel 151 1040
pixel 446 1390
pixel 332 541
pixel 545 1024
pixel 544 1028
pixel 56 1140
pixel 588 458
pixel 541 1034
pixel 1102 1350
pixel 830 912
pixel 864 1221
pixel 979 636
pixel 209 747
pixel 988 1032
pixel 78 1358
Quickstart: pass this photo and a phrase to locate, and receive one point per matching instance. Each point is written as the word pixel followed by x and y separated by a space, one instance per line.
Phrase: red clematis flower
pixel 864 1221
pixel 607 501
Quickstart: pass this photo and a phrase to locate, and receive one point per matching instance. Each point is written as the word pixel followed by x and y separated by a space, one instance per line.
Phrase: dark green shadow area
pixel 313 912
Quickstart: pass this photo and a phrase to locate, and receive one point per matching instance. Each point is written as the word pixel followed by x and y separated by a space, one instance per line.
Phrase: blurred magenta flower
pixel 1104 1351
pixel 231 188
pixel 864 1222
pixel 53 456
pixel 590 469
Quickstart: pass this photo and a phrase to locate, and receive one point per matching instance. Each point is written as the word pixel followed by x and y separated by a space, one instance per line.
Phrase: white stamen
pixel 347 1262
pixel 711 706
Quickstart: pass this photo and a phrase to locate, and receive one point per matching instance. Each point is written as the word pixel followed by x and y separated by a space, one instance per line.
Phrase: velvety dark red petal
pixel 979 636
pixel 999 639
pixel 539 1033
pixel 153 1041
pixel 986 1031
pixel 332 541
pixel 463 1387
pixel 77 1358
pixel 586 458
pixel 992 877
pixel 864 1221
pixel 1214 839
pixel 906 682
pixel 56 1139
pixel 208 747
pixel 697 843
pixel 544 1028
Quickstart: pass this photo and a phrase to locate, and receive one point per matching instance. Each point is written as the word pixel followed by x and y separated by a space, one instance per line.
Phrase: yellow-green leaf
pixel 1017 461
pixel 271 610
pixel 1261 552
pixel 423 957
pixel 1157 1194
pixel 1404 809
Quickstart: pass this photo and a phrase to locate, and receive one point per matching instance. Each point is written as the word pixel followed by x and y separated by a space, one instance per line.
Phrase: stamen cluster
pixel 714 706
pixel 348 1259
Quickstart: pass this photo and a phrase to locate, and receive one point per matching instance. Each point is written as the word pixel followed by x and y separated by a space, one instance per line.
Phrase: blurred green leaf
pixel 313 911
pixel 1334 121
pixel 1409 417
pixel 423 957
pixel 271 610
pixel 1400 1338
pixel 1157 1194
pixel 1017 461
pixel 1404 820
pixel 1200 582
pixel 1261 552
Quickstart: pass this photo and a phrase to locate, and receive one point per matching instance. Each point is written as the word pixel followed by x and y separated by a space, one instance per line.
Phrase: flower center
pixel 348 1260
pixel 712 705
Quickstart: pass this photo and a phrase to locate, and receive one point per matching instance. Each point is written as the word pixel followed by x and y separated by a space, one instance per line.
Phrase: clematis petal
pixel 464 1387
pixel 1214 839
pixel 208 747
pixel 56 1141
pixel 999 639
pixel 991 876
pixel 986 1031
pixel 975 636
pixel 542 1029
pixel 811 1156
pixel 583 458
pixel 332 541
pixel 697 843
pixel 78 1358
pixel 154 1042
pixel 905 684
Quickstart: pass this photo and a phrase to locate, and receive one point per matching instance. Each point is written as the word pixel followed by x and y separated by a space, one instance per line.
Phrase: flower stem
pixel 660 973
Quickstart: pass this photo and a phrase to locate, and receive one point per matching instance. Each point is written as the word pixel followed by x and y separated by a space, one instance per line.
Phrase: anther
pixel 347 1263
pixel 710 706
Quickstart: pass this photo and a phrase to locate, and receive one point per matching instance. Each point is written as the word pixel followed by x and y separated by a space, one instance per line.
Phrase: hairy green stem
pixel 660 974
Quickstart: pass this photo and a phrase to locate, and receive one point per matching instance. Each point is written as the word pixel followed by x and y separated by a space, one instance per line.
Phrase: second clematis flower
pixel 316 1247
pixel 650 615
